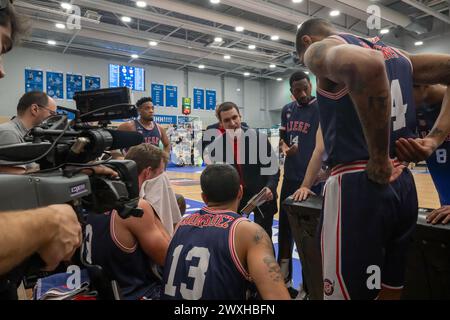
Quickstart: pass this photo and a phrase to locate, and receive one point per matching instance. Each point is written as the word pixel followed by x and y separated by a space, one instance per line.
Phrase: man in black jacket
pixel 250 152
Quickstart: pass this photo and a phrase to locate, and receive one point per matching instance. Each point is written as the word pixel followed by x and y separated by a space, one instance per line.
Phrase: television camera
pixel 67 152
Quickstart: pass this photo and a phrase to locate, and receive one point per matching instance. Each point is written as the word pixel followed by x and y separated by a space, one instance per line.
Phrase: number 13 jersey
pixel 202 262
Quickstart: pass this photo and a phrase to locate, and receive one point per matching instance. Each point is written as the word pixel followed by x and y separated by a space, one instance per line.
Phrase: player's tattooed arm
pixel 428 69
pixel 363 72
pixel 262 266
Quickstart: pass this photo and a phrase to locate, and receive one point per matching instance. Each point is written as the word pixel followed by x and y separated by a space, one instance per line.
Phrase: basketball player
pixel 299 123
pixel 153 133
pixel 365 95
pixel 129 249
pixel 216 254
pixel 429 102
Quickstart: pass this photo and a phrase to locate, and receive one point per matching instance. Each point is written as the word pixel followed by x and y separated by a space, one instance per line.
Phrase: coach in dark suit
pixel 252 155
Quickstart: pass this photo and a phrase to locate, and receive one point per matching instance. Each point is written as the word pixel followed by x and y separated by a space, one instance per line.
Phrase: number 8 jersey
pixel 439 162
pixel 202 262
pixel 342 131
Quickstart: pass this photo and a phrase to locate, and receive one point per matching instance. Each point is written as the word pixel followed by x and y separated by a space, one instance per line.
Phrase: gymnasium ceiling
pixel 185 30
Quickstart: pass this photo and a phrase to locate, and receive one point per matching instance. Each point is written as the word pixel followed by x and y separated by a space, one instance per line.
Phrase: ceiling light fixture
pixel 214 1
pixel 51 42
pixel 60 25
pixel 66 6
pixel 272 66
pixel 384 31
pixel 126 19
pixel 297 1
pixel 153 43
pixel 246 74
pixel 239 28
pixel 201 66
pixel 279 79
pixel 335 13
pixel 135 56
pixel 275 38
pixel 251 46
pixel 227 57
pixel 418 43
pixel 218 39
pixel 141 4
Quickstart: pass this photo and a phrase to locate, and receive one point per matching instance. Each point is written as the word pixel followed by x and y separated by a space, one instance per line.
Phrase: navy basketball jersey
pixel 342 130
pixel 202 262
pixel 300 123
pixel 439 162
pixel 152 136
pixel 130 267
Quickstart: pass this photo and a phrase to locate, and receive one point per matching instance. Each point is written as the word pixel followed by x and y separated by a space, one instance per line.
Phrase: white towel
pixel 159 193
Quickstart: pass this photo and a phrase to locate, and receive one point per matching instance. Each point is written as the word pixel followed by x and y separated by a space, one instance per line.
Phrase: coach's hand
pixel 302 194
pixel 415 150
pixel 440 215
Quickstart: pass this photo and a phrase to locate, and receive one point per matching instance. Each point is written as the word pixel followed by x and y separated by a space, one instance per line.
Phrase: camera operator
pixel 53 231
pixel 33 108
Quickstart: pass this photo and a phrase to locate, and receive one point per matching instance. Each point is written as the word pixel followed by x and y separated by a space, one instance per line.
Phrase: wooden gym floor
pixel 428 197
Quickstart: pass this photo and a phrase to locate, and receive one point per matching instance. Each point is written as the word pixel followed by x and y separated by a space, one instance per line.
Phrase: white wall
pixel 13 86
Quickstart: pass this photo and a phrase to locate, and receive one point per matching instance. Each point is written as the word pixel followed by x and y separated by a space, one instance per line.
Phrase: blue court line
pixel 193 206
pixel 185 169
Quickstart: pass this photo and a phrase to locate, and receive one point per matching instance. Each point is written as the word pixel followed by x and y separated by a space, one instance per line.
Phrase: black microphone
pixel 125 139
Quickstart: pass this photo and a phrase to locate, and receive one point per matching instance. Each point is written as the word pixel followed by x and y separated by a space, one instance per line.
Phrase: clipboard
pixel 256 201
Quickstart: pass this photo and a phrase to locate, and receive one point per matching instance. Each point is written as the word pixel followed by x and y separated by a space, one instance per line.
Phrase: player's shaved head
pixel 315 28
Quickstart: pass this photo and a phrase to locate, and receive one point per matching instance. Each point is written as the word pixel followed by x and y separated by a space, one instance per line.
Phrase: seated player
pixel 216 254
pixel 128 249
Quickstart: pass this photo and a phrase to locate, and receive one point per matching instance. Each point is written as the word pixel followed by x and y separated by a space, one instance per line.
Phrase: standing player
pixel 365 95
pixel 215 254
pixel 153 133
pixel 429 102
pixel 299 123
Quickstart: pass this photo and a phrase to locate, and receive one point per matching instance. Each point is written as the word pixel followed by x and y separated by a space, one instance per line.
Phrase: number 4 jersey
pixel 438 163
pixel 202 262
pixel 342 131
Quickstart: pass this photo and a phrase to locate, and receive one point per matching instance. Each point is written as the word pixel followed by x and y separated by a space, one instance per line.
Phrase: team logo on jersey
pixel 328 287
pixel 288 115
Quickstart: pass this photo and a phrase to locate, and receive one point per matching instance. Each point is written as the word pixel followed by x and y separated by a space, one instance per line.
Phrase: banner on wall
pixel 199 99
pixel 92 83
pixel 74 83
pixel 186 106
pixel 171 96
pixel 211 98
pixel 163 119
pixel 34 80
pixel 55 85
pixel 158 94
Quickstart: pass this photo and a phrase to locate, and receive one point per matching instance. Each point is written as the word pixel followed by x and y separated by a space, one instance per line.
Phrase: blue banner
pixel 163 119
pixel 55 85
pixel 158 94
pixel 92 83
pixel 199 99
pixel 34 80
pixel 171 96
pixel 74 83
pixel 211 99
